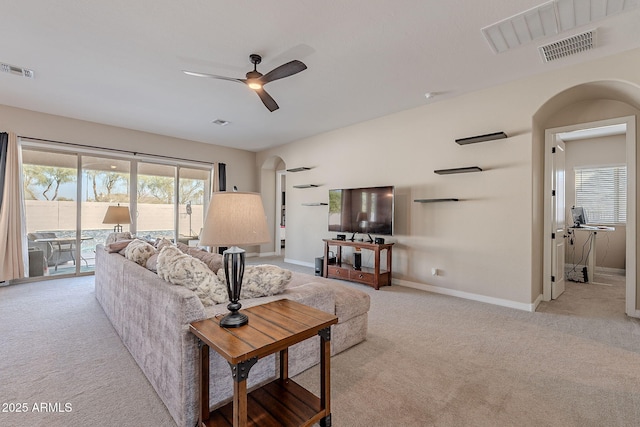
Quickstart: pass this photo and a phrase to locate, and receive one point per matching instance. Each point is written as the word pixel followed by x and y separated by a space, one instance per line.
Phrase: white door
pixel 558 218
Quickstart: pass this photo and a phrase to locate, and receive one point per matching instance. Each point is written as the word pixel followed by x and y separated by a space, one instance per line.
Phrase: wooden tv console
pixel 373 277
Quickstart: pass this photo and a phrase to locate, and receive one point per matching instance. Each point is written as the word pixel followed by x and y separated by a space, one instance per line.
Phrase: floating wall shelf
pixel 481 138
pixel 306 186
pixel 300 169
pixel 315 204
pixel 435 200
pixel 458 170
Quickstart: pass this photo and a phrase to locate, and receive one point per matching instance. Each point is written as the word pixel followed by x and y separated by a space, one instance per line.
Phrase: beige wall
pixel 488 245
pixel 603 151
pixel 240 163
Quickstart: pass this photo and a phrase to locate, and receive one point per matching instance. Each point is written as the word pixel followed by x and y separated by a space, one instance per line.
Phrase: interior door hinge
pixel 553 235
pixel 553 150
pixel 553 193
pixel 553 279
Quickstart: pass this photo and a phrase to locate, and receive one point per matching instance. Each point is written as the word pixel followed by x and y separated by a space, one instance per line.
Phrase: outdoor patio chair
pixel 56 250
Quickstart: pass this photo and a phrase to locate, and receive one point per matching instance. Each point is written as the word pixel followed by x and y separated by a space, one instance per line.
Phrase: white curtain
pixel 13 247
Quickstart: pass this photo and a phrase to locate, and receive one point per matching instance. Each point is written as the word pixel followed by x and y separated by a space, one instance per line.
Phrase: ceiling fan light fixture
pixel 254 85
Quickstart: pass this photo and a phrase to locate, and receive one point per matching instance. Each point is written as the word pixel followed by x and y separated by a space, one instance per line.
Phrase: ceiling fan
pixel 256 80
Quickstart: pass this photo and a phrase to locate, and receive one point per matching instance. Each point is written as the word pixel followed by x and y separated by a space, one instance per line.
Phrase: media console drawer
pixel 339 272
pixel 361 276
pixel 347 272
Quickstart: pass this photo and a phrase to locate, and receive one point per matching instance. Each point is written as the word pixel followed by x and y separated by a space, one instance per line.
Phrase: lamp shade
pixel 235 219
pixel 117 215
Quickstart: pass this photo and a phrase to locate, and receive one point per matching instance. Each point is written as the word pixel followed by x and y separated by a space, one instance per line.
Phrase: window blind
pixel 602 192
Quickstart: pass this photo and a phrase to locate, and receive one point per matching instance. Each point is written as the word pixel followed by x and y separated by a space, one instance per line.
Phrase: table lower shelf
pixel 278 403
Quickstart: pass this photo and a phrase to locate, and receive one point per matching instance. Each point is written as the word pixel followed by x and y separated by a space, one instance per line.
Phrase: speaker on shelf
pixel 341 237
pixel 379 241
pixel 357 260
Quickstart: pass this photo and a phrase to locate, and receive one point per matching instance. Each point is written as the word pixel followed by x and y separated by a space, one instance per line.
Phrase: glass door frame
pixel 133 159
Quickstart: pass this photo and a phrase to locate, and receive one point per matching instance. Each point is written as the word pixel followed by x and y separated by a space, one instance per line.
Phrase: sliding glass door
pixel 67 195
pixel 105 182
pixel 155 215
pixel 50 184
pixel 192 189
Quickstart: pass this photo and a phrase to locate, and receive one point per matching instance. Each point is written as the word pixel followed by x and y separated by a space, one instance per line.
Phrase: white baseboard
pixel 468 295
pixel 537 302
pixel 302 263
pixel 264 254
pixel 608 270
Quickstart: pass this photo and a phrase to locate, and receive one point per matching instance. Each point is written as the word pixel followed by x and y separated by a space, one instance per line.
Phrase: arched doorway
pixel 575 108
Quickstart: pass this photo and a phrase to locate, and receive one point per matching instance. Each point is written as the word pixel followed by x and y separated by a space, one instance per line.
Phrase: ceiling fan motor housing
pixel 255 58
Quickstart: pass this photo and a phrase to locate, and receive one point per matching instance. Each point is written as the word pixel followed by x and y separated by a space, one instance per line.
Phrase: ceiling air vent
pixel 569 46
pixel 18 71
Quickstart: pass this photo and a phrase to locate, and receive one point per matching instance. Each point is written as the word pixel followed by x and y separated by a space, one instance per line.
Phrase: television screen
pixel 362 210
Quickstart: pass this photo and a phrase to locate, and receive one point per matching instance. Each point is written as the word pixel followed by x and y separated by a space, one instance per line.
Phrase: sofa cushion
pixel 213 261
pixel 117 246
pixel 350 302
pixel 114 237
pixel 261 280
pixel 139 251
pixel 182 269
pixel 152 263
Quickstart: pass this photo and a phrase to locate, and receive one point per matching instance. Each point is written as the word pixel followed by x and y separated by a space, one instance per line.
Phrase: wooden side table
pixel 273 327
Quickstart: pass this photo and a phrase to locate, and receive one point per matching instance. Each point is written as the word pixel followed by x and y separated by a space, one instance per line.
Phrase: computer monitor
pixel 579 217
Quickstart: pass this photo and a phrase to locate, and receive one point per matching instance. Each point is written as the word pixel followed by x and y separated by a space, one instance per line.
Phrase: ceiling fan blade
pixel 285 70
pixel 267 100
pixel 212 76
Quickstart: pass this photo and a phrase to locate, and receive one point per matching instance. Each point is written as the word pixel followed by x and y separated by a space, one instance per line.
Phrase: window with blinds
pixel 602 192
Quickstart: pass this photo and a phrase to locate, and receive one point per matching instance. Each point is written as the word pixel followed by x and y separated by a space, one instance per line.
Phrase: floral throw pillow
pixel 261 280
pixel 114 237
pixel 139 251
pixel 181 269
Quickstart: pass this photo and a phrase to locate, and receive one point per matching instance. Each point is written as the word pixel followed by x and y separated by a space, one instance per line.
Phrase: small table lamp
pixel 117 215
pixel 234 219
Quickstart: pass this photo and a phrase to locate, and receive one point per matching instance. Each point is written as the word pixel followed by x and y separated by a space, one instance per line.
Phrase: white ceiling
pixel 119 62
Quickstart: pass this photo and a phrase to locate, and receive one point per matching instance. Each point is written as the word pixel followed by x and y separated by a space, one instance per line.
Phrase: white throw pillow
pixel 261 280
pixel 139 251
pixel 114 237
pixel 181 269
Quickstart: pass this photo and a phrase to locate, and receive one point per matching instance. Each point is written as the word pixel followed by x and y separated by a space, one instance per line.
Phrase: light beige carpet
pixel 429 360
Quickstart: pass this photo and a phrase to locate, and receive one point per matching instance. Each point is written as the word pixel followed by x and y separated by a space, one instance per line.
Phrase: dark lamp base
pixel 234 320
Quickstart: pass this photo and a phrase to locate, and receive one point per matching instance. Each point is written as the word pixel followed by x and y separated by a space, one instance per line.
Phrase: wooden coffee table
pixel 273 327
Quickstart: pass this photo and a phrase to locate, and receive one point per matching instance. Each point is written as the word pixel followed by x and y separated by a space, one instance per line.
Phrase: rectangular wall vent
pixel 569 46
pixel 18 71
pixel 551 18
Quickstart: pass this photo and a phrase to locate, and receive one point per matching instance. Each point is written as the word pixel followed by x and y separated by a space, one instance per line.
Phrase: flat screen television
pixel 362 210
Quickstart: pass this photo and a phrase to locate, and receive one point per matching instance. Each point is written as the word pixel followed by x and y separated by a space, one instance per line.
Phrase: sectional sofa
pixel 152 317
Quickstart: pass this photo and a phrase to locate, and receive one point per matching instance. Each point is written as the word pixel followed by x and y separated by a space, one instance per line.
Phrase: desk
pixel 591 259
pixel 273 327
pixel 62 244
